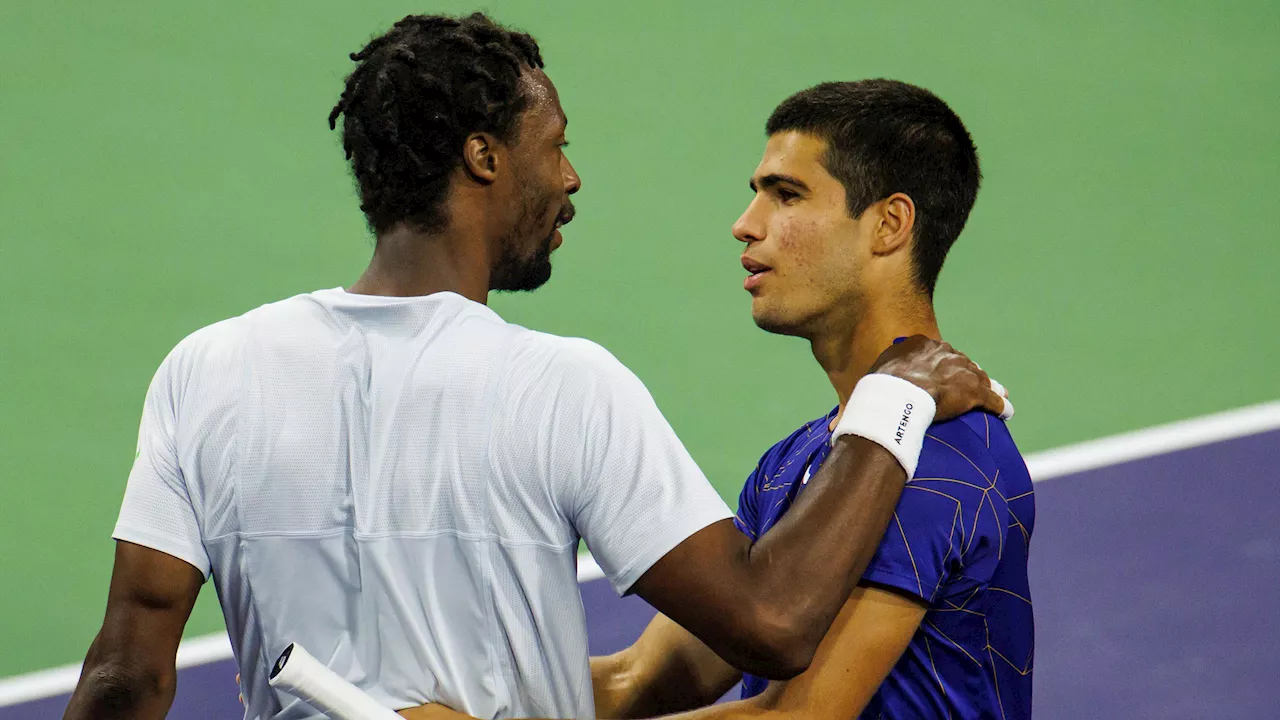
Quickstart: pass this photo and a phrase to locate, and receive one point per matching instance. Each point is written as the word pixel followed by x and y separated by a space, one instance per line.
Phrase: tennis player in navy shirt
pixel 863 189
pixel 957 547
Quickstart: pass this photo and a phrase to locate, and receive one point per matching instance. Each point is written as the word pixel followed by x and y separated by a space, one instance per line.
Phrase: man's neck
pixel 408 263
pixel 847 352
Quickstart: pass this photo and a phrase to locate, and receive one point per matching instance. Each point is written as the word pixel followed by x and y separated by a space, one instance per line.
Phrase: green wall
pixel 164 165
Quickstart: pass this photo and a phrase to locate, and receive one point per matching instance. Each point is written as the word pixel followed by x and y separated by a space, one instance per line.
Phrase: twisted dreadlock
pixel 416 94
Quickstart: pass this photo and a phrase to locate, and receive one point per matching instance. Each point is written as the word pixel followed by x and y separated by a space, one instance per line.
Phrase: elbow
pixel 112 690
pixel 782 645
pixel 116 689
pixel 613 681
pixel 785 661
pixel 782 666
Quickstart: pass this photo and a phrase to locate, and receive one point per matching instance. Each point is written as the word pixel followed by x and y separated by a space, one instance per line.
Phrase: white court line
pixel 1157 440
pixel 588 568
pixel 1066 460
pixel 62 680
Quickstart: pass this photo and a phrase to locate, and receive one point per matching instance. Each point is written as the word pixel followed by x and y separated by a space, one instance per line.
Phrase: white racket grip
pixel 890 412
pixel 304 677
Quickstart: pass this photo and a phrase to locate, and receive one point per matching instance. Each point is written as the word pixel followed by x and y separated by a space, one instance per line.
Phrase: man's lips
pixel 753 266
pixel 564 218
pixel 757 271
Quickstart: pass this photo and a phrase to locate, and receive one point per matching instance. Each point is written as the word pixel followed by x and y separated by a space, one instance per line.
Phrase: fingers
pixel 995 398
pixel 954 381
pixel 1005 406
pixel 992 401
pixel 1007 413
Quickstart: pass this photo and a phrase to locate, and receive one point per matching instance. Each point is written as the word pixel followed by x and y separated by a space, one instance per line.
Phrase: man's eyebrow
pixel 773 180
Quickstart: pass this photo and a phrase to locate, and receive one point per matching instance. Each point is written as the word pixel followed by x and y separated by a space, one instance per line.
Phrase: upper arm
pixel 160 560
pixel 148 604
pixel 130 670
pixel 160 564
pixel 870 634
pixel 683 583
pixel 698 585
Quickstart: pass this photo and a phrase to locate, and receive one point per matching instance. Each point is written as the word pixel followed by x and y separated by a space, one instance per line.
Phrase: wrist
pixel 890 412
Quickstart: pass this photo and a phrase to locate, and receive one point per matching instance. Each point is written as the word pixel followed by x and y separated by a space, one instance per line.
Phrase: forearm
pixel 616 693
pixel 765 607
pixel 751 708
pixel 806 566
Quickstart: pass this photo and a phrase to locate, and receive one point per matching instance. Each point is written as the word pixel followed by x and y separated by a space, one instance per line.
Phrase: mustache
pixel 566 213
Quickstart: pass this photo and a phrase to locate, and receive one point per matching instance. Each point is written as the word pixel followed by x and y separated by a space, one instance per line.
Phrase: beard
pixel 520 269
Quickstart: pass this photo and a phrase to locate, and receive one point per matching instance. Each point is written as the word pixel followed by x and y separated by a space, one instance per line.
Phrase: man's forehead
pixel 792 153
pixel 542 94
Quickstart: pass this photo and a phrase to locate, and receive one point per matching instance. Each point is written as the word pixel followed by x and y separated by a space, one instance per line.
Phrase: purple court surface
pixel 1155 581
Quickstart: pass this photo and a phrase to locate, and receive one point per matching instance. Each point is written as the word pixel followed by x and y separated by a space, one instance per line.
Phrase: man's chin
pixel 771 323
pixel 529 278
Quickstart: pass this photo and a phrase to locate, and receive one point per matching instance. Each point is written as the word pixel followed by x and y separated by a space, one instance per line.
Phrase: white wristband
pixel 890 412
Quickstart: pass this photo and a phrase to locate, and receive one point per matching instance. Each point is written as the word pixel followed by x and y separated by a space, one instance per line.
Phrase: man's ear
pixel 896 222
pixel 480 157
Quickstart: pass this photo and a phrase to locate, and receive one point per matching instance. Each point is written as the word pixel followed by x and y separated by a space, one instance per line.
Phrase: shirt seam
pixel 499 662
pixel 242 555
pixel 415 534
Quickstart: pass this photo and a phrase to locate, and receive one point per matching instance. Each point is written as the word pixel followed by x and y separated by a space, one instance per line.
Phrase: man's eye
pixel 787 196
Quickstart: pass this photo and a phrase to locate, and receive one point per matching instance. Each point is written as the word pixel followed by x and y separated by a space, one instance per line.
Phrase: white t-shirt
pixel 400 485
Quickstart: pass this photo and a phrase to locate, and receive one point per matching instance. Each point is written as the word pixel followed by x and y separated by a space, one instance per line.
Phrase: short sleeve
pixel 157 510
pixel 945 527
pixel 919 544
pixel 747 519
pixel 623 478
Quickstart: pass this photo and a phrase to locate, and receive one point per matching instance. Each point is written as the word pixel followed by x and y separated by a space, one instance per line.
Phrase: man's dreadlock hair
pixel 417 93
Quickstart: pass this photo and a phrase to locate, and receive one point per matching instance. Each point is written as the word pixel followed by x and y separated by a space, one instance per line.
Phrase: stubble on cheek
pixel 799 251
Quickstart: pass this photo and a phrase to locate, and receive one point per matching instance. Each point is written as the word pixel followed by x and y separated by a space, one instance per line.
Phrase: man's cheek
pixel 798 244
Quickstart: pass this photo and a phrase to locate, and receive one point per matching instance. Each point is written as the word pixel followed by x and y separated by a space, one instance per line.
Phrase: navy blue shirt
pixel 958 542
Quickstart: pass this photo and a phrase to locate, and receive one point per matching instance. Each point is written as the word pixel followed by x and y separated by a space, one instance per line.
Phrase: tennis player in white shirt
pixel 396 479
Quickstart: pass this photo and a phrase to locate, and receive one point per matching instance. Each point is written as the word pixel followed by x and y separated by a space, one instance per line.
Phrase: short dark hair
pixel 409 105
pixel 885 136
